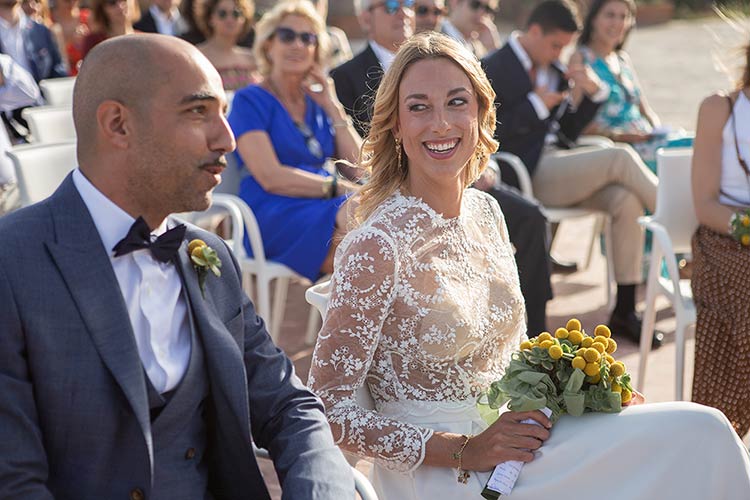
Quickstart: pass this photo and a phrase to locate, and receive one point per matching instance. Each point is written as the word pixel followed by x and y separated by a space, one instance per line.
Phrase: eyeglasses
pixel 423 10
pixel 223 14
pixel 392 6
pixel 476 5
pixel 288 36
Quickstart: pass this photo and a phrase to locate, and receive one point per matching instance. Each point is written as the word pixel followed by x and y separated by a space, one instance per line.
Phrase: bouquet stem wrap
pixel 506 474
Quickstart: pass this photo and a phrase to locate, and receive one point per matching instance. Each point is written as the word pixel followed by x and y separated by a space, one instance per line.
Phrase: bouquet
pixel 568 372
pixel 739 226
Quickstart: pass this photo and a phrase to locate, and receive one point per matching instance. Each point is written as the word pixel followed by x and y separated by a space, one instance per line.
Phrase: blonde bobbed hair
pixel 271 20
pixel 379 154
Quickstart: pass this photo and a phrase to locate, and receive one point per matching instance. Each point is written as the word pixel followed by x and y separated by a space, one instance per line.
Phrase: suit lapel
pixel 224 356
pixel 84 264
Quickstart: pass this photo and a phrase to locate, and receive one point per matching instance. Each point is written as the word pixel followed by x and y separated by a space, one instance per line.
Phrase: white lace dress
pixel 425 312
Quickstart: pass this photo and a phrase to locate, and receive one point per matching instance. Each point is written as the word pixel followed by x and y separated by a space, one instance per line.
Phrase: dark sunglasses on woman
pixel 423 10
pixel 288 36
pixel 392 6
pixel 476 5
pixel 223 14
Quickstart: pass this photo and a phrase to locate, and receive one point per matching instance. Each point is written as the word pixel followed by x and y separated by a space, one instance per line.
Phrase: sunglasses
pixel 288 36
pixel 476 5
pixel 223 14
pixel 392 6
pixel 423 10
pixel 313 146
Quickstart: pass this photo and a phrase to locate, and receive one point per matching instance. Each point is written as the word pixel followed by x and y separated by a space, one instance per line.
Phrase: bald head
pixel 129 70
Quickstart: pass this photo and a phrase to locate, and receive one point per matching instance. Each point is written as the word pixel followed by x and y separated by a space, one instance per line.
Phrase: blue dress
pixel 296 231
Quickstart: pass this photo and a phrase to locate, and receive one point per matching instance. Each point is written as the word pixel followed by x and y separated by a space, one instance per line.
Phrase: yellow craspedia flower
pixel 616 388
pixel 599 347
pixel 545 344
pixel 601 339
pixel 611 346
pixel 626 395
pixel 573 324
pixel 591 369
pixel 602 330
pixel 745 220
pixel 594 379
pixel 609 359
pixel 575 337
pixel 195 244
pixel 555 352
pixel 587 341
pixel 578 362
pixel 617 368
pixel 561 333
pixel 526 345
pixel 591 355
pixel 745 239
pixel 544 336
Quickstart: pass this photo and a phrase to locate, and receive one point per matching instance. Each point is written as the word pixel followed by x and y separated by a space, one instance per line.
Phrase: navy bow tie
pixel 139 236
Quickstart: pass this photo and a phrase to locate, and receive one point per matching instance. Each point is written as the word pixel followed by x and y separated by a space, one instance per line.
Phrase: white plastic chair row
pixel 58 91
pixel 40 168
pixel 49 124
pixel 557 215
pixel 672 226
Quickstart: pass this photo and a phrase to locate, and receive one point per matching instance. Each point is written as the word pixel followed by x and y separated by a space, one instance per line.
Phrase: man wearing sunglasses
pixel 162 17
pixel 387 24
pixel 429 14
pixel 472 22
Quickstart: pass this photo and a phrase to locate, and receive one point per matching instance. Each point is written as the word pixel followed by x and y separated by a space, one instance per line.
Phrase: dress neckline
pixel 434 214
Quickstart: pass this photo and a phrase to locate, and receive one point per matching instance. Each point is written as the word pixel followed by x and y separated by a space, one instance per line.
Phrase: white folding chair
pixel 672 226
pixel 557 215
pixel 41 168
pixel 58 91
pixel 362 485
pixel 50 123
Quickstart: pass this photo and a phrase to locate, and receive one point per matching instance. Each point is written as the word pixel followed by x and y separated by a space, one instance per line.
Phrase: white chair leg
pixel 608 251
pixel 649 316
pixel 679 358
pixel 279 304
pixel 312 326
pixel 598 229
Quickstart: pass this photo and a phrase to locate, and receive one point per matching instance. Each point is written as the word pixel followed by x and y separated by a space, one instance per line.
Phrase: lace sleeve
pixel 363 288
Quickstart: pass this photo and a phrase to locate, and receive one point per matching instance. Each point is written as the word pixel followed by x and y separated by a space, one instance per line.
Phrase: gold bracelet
pixel 327 187
pixel 463 475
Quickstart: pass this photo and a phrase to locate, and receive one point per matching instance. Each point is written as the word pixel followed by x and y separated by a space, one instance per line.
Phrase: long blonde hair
pixel 379 154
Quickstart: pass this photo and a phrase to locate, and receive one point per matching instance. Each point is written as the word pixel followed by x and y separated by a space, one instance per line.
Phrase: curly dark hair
pixel 588 23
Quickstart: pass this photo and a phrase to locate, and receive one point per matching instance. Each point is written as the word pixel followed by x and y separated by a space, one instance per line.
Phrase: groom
pixel 119 376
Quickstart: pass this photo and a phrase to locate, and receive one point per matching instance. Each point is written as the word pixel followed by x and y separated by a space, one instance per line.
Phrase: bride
pixel 426 309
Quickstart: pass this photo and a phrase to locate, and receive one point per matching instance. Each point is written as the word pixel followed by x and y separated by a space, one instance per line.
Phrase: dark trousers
pixel 529 233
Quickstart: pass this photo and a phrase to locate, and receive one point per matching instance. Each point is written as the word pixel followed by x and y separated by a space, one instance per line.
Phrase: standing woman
pixel 111 18
pixel 626 115
pixel 721 290
pixel 71 26
pixel 287 128
pixel 224 23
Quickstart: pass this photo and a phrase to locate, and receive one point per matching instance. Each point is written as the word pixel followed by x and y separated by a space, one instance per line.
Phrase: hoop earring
pixel 398 153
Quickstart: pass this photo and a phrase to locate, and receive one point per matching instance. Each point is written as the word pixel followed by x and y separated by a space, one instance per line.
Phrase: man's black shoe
pixel 562 267
pixel 630 327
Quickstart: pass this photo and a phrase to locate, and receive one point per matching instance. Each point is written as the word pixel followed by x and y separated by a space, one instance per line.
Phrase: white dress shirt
pixel 166 25
pixel 384 55
pixel 152 291
pixel 12 40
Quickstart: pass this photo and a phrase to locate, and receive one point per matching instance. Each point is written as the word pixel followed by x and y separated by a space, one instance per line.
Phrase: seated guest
pixel 224 23
pixel 286 129
pixel 70 26
pixel 472 22
pixel 429 15
pixel 111 18
pixel 721 189
pixel 625 116
pixel 340 50
pixel 163 17
pixel 539 120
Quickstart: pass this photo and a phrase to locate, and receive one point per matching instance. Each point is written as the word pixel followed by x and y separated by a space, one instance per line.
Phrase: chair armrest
pixel 524 180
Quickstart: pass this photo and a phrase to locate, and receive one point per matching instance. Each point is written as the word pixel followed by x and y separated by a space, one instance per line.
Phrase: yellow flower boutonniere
pixel 204 258
pixel 739 226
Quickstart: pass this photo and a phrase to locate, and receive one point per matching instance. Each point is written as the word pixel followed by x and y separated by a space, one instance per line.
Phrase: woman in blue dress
pixel 625 116
pixel 287 127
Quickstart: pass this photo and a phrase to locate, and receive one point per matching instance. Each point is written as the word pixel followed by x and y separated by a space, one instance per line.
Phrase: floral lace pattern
pixel 422 308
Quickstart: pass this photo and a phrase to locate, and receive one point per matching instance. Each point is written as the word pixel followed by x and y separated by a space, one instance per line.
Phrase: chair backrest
pixel 674 197
pixel 49 124
pixel 58 91
pixel 237 235
pixel 41 168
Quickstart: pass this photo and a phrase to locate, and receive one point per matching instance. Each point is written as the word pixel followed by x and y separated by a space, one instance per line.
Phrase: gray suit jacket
pixel 74 415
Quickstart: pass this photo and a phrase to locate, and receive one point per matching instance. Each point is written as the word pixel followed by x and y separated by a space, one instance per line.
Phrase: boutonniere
pixel 204 259
pixel 739 226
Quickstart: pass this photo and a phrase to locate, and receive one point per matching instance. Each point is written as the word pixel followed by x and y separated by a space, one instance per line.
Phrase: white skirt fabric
pixel 654 451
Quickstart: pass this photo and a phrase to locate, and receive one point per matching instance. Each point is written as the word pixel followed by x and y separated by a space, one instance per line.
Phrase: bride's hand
pixel 506 439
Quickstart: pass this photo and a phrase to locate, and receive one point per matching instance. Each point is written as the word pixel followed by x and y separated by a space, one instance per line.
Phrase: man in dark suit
pixel 388 25
pixel 163 16
pixel 542 109
pixel 128 369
